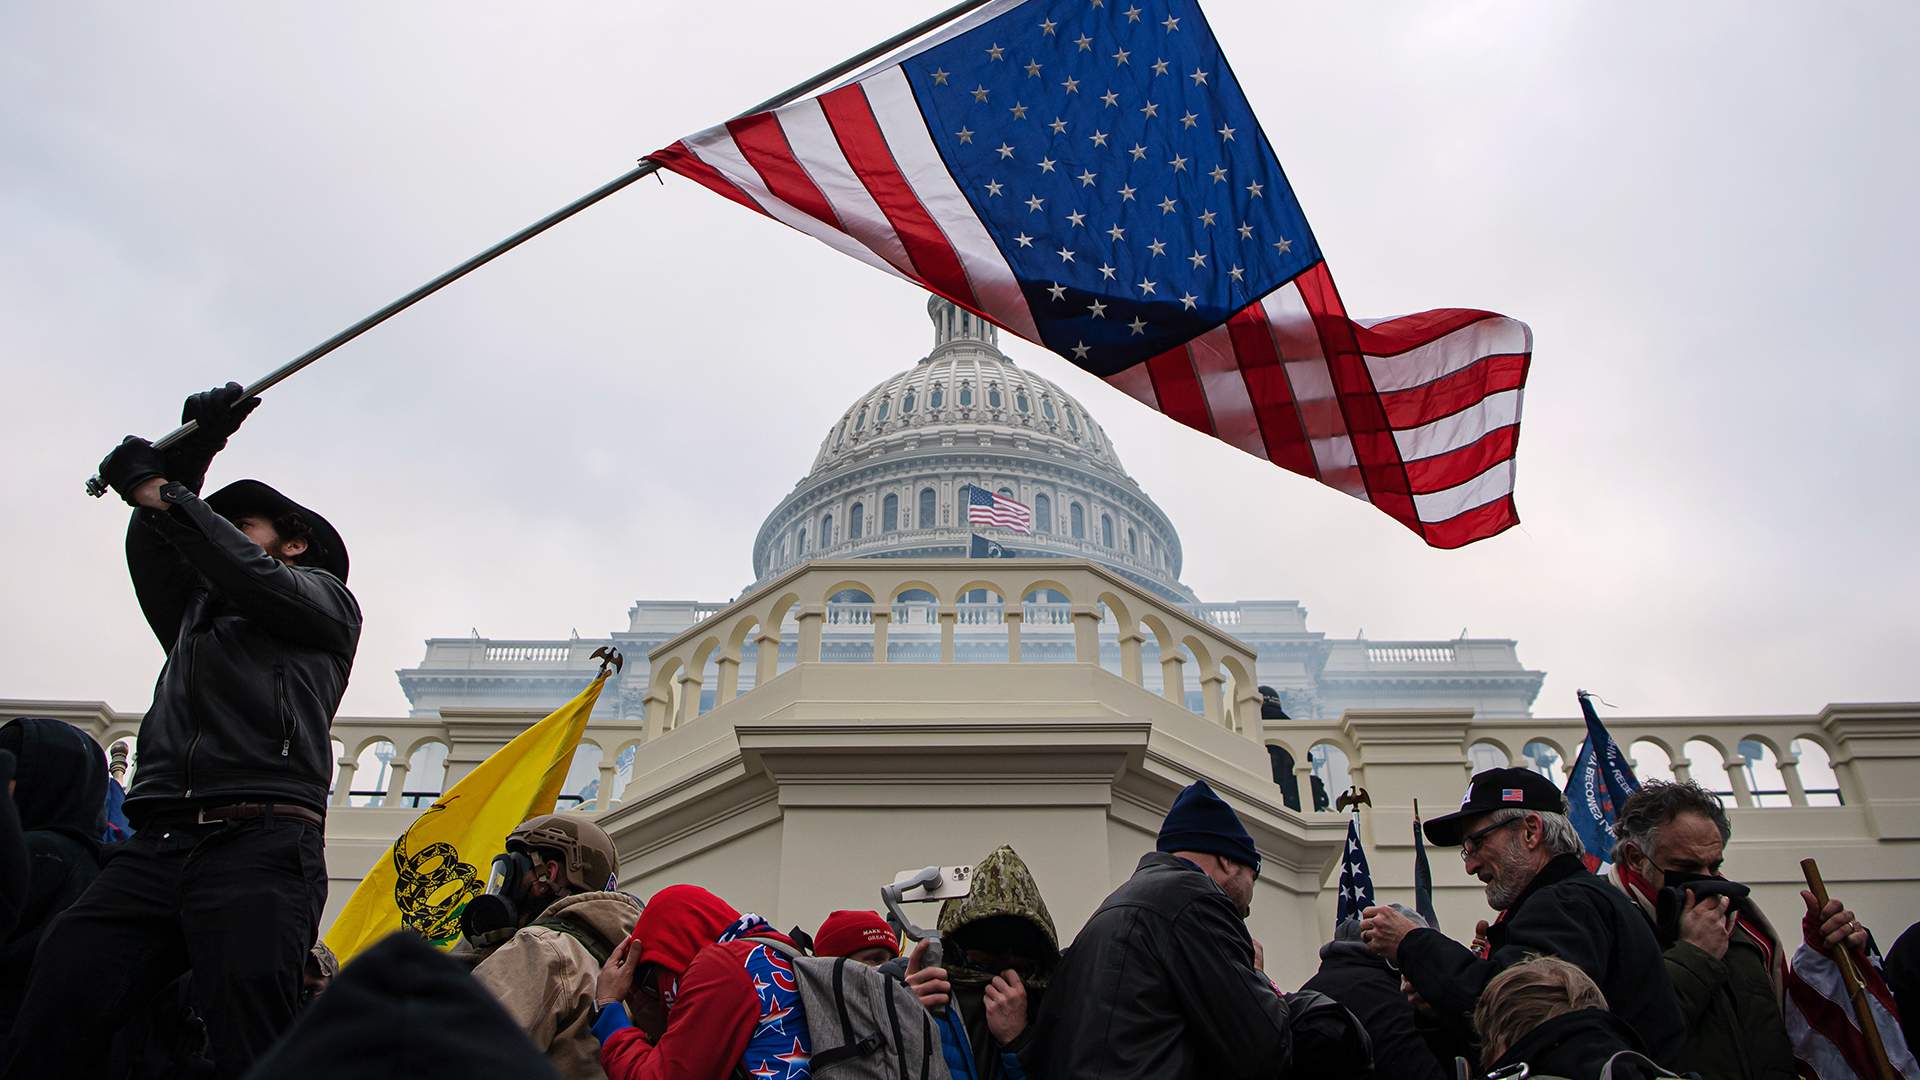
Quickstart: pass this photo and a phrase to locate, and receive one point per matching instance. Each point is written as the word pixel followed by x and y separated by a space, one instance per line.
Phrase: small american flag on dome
pixel 993 510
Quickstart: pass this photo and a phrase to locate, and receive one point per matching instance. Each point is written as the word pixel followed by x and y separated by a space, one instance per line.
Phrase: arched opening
pixel 1544 759
pixel 1046 627
pixel 339 751
pixel 1133 542
pixel 981 631
pixel 857 521
pixel 1042 514
pixel 826 531
pixel 1106 530
pixel 926 518
pixel 1816 773
pixel 1331 774
pixel 847 636
pixel 1762 766
pixel 1077 516
pixel 1281 761
pixel 623 769
pixel 1709 768
pixel 914 634
pixel 889 513
pixel 581 789
pixel 1484 755
pixel 371 771
pixel 937 397
pixel 426 775
pixel 1650 761
pixel 880 415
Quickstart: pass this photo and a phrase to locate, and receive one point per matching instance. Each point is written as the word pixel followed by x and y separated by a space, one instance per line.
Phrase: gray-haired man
pixel 1513 834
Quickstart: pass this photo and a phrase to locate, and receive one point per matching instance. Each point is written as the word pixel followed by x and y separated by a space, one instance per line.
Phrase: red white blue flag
pixel 1089 175
pixel 990 509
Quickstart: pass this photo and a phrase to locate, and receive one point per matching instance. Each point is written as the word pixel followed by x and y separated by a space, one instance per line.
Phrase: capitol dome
pixel 890 476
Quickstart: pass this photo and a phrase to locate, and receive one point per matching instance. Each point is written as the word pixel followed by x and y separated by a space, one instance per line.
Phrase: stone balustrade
pixel 804 599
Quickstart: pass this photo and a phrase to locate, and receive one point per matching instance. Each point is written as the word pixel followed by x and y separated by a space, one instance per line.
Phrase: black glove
pixel 219 411
pixel 132 463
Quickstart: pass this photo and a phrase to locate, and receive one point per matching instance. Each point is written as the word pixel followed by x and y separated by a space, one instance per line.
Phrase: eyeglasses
pixel 1471 842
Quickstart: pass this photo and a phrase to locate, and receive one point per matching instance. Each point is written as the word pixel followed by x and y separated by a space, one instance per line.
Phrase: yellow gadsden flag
pixel 440 862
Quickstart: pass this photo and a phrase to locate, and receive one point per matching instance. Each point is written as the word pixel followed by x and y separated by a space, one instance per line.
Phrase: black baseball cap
pixel 1496 789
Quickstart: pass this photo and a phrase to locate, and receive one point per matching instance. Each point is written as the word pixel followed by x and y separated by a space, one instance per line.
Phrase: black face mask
pixel 1673 899
pixel 492 917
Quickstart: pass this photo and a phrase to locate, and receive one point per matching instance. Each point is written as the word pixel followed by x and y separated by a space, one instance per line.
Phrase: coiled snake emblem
pixel 432 886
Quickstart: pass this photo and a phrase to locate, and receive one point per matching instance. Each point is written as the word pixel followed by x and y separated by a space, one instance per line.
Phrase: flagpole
pixel 97 487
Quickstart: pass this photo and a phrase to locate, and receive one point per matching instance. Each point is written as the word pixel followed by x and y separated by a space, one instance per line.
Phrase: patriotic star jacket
pixel 737 1005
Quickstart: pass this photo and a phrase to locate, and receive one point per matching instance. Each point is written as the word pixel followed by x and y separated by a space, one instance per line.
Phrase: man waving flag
pixel 1089 175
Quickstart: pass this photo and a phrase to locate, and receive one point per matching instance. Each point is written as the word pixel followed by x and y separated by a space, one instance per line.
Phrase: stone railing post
pixel 810 617
pixel 1130 657
pixel 656 703
pixel 396 784
pixel 1682 767
pixel 1790 776
pixel 1874 750
pixel 882 620
pixel 689 697
pixel 343 787
pixel 726 679
pixel 1173 679
pixel 1403 754
pixel 767 665
pixel 1212 685
pixel 1246 713
pixel 1013 617
pixel 604 802
pixel 948 618
pixel 1736 767
pixel 1086 634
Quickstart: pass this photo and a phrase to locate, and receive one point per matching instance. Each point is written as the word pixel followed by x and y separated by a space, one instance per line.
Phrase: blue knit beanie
pixel 1202 821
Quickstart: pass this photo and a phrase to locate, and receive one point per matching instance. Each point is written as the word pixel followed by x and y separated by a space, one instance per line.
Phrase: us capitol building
pixel 889 483
pixel 876 701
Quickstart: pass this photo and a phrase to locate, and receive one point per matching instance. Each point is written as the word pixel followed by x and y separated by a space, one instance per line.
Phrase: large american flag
pixel 991 509
pixel 1089 175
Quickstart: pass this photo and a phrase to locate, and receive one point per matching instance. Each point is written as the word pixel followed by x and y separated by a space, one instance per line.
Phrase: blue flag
pixel 113 819
pixel 1600 780
pixel 1422 874
pixel 1356 881
pixel 984 548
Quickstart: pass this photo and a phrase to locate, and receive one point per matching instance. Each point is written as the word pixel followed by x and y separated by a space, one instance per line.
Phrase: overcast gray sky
pixel 1704 211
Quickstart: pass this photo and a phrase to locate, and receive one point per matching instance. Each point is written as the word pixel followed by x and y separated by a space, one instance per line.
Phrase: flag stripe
pixel 764 146
pixel 1461 428
pixel 1477 524
pixel 1390 337
pixel 1217 366
pixel 1459 391
pixel 715 150
pixel 1366 420
pixel 1458 466
pixel 851 117
pixel 811 140
pixel 1178 391
pixel 1298 344
pixel 905 127
pixel 1136 382
pixel 1444 354
pixel 680 158
pixel 1270 392
pixel 1494 483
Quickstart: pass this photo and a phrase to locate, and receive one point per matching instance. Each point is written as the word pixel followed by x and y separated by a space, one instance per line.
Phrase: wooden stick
pixel 1856 986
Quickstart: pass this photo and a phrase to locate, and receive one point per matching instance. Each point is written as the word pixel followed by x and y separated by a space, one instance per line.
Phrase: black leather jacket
pixel 258 654
pixel 1160 984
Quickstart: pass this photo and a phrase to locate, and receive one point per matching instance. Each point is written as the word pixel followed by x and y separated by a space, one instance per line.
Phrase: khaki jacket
pixel 545 978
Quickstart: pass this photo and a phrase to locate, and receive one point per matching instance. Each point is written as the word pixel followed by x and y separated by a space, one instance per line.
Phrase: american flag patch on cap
pixel 1511 794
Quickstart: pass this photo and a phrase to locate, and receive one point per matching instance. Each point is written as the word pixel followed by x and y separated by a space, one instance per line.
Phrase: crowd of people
pixel 192 949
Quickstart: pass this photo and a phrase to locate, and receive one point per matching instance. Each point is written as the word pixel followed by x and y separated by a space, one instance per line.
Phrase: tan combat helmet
pixel 586 851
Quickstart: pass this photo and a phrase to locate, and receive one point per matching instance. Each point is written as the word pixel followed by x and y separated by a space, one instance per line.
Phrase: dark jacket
pixel 1160 983
pixel 1574 915
pixel 258 654
pixel 1577 1045
pixel 1370 989
pixel 1733 1022
pixel 401 1009
pixel 60 795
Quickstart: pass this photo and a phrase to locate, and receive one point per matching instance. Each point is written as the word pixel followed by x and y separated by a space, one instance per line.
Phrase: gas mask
pixel 494 916
pixel 1673 899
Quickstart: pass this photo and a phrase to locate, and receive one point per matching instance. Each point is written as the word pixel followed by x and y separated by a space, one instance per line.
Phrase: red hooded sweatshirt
pixel 713 1008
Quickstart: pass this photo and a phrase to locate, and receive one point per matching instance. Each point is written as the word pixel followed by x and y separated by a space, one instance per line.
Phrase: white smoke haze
pixel 1703 211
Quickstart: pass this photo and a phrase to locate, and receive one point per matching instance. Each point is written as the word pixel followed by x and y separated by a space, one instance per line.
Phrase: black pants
pixel 238 904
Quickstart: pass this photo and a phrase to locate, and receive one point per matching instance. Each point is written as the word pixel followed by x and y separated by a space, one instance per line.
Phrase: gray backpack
pixel 863 1025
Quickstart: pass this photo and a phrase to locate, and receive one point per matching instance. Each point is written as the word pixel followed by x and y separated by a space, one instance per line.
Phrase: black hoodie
pixel 60 794
pixel 404 1009
pixel 1577 1045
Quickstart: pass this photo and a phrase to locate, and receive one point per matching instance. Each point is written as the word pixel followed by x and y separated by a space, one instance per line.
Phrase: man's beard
pixel 1509 879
